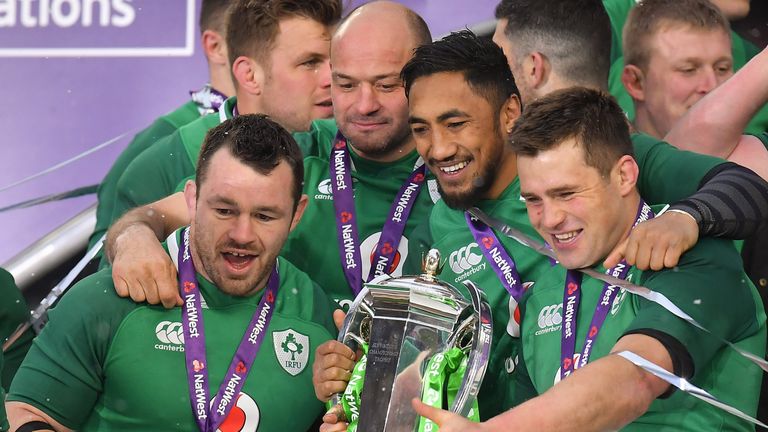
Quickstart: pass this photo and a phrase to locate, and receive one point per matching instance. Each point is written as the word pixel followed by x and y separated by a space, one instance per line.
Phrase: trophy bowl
pixel 422 338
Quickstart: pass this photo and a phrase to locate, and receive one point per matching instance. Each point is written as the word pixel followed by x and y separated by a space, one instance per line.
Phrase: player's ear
pixel 538 69
pixel 634 81
pixel 300 207
pixel 627 173
pixel 248 74
pixel 190 197
pixel 214 47
pixel 510 112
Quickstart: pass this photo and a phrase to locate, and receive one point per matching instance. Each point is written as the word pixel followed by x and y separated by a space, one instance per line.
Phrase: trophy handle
pixel 478 354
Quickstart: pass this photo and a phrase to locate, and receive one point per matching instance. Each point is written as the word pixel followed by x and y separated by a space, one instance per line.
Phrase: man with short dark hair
pixel 213 30
pixel 578 178
pixel 278 53
pixel 355 228
pixel 104 362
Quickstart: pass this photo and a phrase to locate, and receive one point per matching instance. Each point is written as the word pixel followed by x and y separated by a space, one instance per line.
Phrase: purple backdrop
pixel 76 78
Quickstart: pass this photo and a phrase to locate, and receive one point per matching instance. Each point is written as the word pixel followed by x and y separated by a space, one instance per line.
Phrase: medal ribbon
pixel 497 256
pixel 209 419
pixel 207 99
pixel 346 225
pixel 572 299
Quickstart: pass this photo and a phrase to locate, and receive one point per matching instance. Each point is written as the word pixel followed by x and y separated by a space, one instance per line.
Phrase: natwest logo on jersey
pixel 171 336
pixel 466 261
pixel 550 319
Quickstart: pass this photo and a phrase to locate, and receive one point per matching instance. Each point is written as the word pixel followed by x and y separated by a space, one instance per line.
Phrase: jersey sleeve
pixel 152 175
pixel 62 374
pixel 159 129
pixel 13 312
pixel 709 285
pixel 666 173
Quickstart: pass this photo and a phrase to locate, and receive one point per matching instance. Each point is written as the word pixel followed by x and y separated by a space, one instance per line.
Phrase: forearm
pixel 732 202
pixel 715 123
pixel 20 414
pixel 159 218
pixel 604 395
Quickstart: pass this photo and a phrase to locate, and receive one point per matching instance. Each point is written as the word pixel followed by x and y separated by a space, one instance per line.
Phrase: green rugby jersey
pixel 156 172
pixel 13 312
pixel 741 49
pixel 160 128
pixel 667 175
pixel 3 419
pixel 709 284
pixel 106 363
pixel 313 245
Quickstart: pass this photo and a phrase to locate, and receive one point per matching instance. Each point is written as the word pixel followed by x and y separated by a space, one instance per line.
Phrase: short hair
pixel 592 117
pixel 254 24
pixel 256 141
pixel 213 15
pixel 481 62
pixel 650 16
pixel 575 35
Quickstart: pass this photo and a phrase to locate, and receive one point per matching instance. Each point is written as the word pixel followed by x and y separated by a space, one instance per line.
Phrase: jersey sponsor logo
pixel 464 262
pixel 243 417
pixel 550 319
pixel 171 336
pixel 324 191
pixel 394 267
pixel 513 325
pixel 292 350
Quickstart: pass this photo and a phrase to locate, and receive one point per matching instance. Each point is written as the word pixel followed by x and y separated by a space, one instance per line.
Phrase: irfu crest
pixel 292 350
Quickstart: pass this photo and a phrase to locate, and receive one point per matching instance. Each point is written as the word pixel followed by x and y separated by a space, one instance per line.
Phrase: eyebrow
pixel 339 75
pixel 441 118
pixel 217 199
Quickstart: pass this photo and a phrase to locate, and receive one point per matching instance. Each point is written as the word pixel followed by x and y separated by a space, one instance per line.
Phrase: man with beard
pixel 463 104
pixel 278 53
pixel 104 362
pixel 595 371
pixel 346 216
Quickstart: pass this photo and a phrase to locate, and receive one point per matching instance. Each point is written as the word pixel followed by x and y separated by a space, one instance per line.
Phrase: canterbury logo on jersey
pixel 550 319
pixel 171 336
pixel 324 190
pixel 466 261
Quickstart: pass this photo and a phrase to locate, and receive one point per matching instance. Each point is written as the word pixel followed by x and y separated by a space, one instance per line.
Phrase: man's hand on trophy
pixel 333 365
pixel 446 421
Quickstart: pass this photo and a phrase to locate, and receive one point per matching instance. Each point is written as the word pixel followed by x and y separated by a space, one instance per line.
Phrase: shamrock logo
pixel 346 217
pixel 197 365
pixel 290 345
pixel 418 178
pixel 340 144
pixel 270 297
pixel 240 368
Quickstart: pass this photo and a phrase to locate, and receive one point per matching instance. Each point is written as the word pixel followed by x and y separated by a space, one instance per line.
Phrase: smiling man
pixel 106 363
pixel 578 178
pixel 279 59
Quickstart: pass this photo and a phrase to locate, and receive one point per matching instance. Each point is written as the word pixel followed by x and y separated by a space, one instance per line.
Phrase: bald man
pixel 368 174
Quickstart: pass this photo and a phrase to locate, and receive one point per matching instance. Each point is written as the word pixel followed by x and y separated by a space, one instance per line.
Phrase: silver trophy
pixel 405 322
